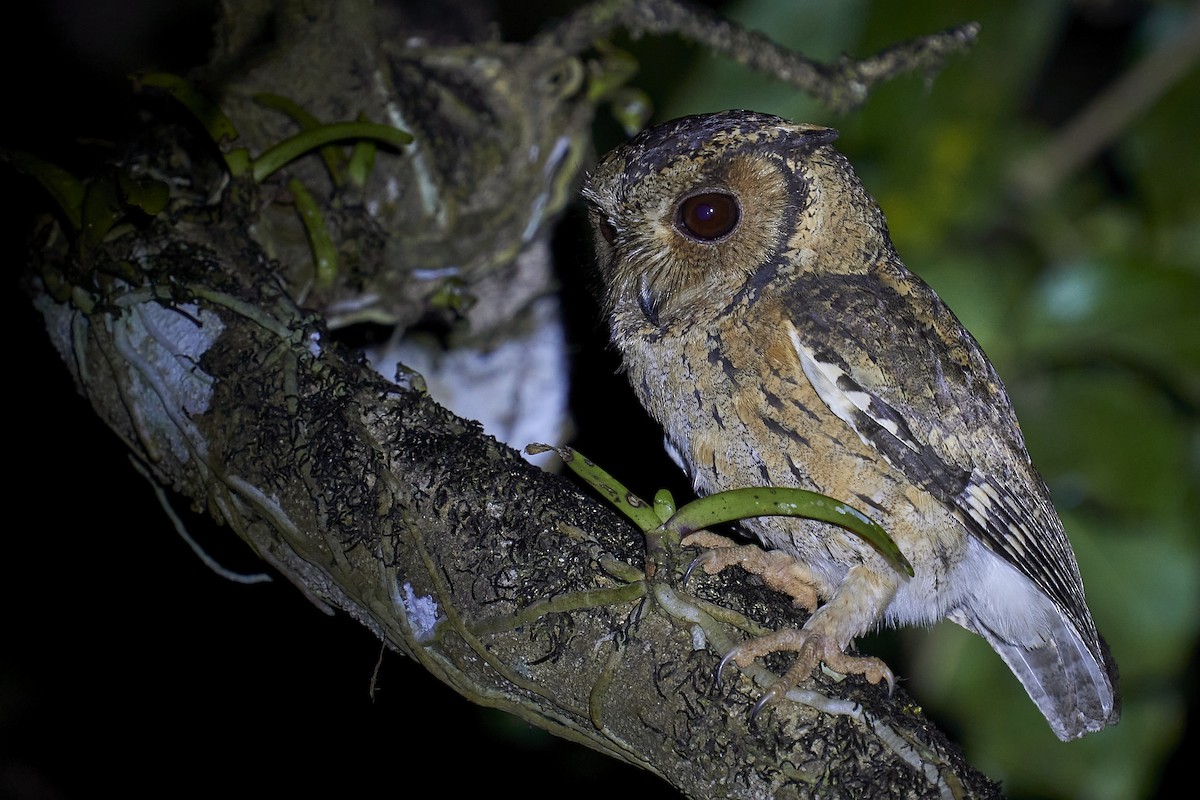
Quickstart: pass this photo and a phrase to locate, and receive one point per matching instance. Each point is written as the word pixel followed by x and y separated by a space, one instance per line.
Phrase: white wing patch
pixel 823 378
pixel 846 404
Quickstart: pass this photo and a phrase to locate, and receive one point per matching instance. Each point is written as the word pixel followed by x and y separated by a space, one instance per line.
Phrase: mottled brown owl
pixel 767 323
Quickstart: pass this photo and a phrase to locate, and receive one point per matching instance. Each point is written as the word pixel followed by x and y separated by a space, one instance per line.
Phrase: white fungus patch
pixel 421 612
pixel 163 347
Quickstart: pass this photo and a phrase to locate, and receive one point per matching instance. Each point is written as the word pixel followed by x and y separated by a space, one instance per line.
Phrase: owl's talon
pixel 697 561
pixel 709 542
pixel 724 663
pixel 769 697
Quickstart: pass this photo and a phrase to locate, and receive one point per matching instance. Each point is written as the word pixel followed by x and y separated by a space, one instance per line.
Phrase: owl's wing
pixel 894 363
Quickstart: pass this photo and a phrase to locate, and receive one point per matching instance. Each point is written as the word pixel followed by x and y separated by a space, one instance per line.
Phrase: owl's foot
pixel 780 571
pixel 811 649
pixel 813 646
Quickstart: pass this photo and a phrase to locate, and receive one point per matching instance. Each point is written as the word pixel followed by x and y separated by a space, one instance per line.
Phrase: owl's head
pixel 696 214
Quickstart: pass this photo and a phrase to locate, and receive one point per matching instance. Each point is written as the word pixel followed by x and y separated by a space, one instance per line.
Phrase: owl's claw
pixel 811 649
pixel 708 559
pixel 769 696
pixel 687 573
pixel 731 655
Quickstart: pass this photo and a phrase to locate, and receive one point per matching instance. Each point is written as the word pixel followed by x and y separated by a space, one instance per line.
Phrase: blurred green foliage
pixel 1085 296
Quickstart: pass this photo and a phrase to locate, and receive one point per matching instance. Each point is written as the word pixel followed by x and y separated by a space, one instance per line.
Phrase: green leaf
pixel 362 159
pixel 289 107
pixel 730 506
pixel 664 505
pixel 238 161
pixel 293 147
pixel 220 128
pixel 146 194
pixel 64 187
pixel 638 510
pixel 610 72
pixel 452 295
pixel 632 108
pixel 768 501
pixel 102 208
pixel 324 253
pixel 334 160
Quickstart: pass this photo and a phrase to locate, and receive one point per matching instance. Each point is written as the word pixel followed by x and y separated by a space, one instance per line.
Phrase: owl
pixel 765 320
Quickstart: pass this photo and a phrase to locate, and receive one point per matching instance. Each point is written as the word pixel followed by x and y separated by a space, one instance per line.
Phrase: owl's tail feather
pixel 1075 691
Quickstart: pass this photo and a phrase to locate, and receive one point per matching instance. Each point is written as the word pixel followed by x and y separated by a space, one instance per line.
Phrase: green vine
pixel 665 526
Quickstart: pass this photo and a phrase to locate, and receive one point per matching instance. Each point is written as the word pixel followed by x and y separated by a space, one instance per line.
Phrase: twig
pixel 1110 113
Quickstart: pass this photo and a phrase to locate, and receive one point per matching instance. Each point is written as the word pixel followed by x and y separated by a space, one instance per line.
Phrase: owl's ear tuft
pixel 813 136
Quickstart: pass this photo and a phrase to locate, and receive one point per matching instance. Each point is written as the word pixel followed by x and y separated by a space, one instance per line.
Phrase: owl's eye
pixel 608 231
pixel 709 216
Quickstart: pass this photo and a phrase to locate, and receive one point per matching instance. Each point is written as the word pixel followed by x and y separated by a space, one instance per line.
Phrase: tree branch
pixel 189 332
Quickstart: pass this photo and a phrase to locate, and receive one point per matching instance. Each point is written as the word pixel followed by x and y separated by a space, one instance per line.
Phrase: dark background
pixel 126 665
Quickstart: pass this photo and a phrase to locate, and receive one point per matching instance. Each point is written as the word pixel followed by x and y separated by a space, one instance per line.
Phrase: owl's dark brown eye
pixel 708 216
pixel 608 231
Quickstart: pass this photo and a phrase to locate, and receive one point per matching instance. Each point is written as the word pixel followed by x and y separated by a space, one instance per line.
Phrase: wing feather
pixel 869 351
